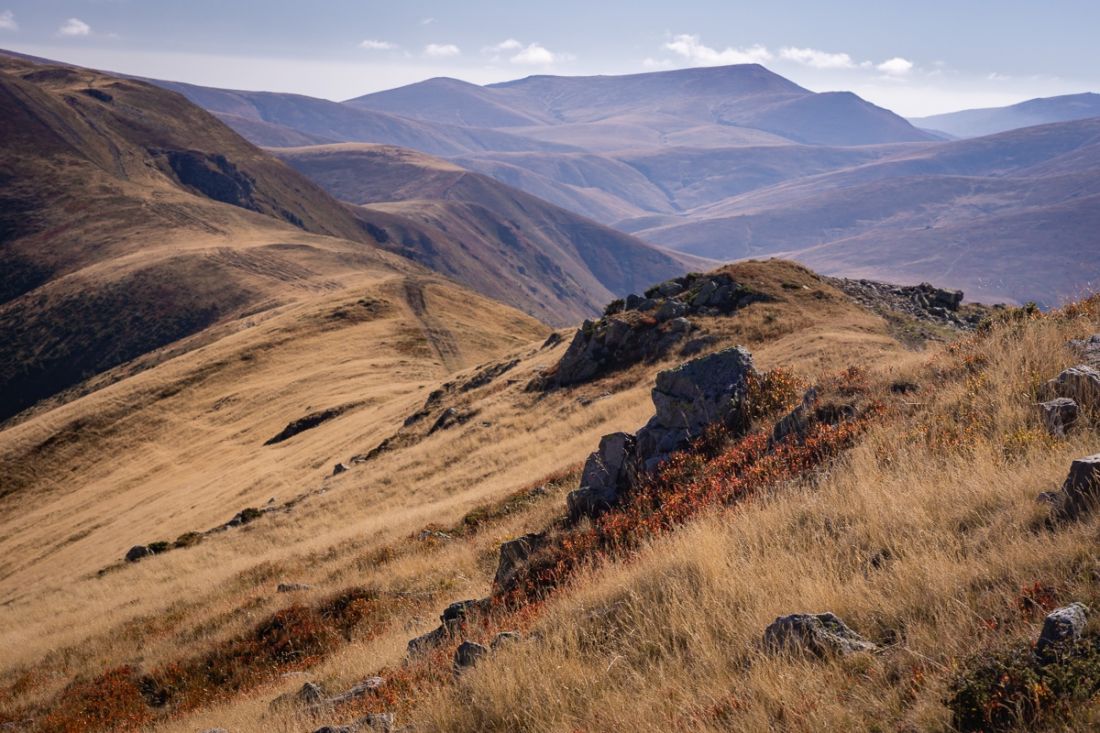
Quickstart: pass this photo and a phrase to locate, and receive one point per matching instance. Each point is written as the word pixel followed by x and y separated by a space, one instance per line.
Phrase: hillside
pixel 432 417
pixel 900 496
pixel 991 120
pixel 132 219
pixel 1006 217
pixel 511 246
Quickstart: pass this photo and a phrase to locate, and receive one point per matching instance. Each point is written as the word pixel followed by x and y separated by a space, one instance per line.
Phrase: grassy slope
pixel 178 448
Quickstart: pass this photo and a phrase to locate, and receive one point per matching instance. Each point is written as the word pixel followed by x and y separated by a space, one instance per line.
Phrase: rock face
pixel 1058 415
pixel 643 328
pixel 1062 625
pixel 1079 492
pixel 1079 383
pixel 688 399
pixel 820 634
pixel 514 555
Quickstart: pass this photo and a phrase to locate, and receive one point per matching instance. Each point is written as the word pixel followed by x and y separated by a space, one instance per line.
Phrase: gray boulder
pixel 1058 415
pixel 368 685
pixel 1062 625
pixel 505 638
pixel 426 642
pixel 670 309
pixel 1080 383
pixel 1088 349
pixel 452 621
pixel 1080 490
pixel 311 695
pixel 514 556
pixel 819 634
pixel 137 552
pixel 468 654
pixel 292 587
pixel 339 468
pixel 692 397
pixel 687 400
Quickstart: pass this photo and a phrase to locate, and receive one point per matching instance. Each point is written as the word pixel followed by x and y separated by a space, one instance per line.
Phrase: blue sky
pixel 915 58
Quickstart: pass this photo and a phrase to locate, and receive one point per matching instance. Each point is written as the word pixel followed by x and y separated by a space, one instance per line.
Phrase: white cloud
pixel 652 63
pixel 7 21
pixel 896 66
pixel 692 49
pixel 373 45
pixel 427 21
pixel 75 27
pixel 533 54
pixel 817 59
pixel 537 55
pixel 442 50
pixel 509 45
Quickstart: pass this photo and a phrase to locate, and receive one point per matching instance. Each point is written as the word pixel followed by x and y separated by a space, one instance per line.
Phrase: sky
pixel 916 58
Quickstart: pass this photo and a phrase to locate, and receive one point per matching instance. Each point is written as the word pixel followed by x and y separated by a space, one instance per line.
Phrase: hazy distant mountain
pixel 1011 216
pixel 988 121
pixel 702 100
pixel 500 241
pixel 272 119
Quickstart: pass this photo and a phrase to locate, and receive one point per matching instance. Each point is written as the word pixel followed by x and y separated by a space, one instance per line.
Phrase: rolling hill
pixel 1009 216
pixel 134 224
pixel 991 120
pixel 512 246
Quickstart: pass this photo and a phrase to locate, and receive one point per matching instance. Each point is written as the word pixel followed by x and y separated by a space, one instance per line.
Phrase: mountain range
pixel 196 229
pixel 991 120
pixel 736 161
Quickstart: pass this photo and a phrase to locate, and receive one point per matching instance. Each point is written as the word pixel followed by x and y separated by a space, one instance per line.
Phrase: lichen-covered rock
pixel 468 654
pixel 1062 626
pixel 1079 492
pixel 1058 415
pixel 820 634
pixel 514 556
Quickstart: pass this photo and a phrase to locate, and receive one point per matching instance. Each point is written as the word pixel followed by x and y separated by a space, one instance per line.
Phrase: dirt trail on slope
pixel 441 340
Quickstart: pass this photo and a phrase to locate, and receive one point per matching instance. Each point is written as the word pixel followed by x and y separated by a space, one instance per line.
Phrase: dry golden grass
pixel 178 447
pixel 670 640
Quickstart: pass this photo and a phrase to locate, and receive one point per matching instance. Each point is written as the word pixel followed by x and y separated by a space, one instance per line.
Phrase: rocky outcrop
pixel 1088 349
pixel 820 634
pixel 1061 627
pixel 644 328
pixel 1079 383
pixel 452 621
pixel 1079 492
pixel 924 302
pixel 688 399
pixel 1058 415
